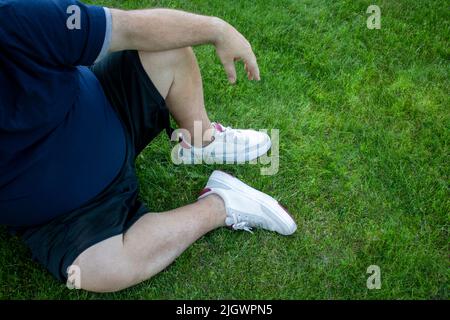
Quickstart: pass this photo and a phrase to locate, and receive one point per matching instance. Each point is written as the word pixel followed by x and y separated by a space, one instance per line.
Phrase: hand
pixel 231 46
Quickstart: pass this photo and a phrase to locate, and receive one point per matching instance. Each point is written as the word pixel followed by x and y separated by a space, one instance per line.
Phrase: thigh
pixel 158 71
pixel 161 66
pixel 133 95
pixel 57 244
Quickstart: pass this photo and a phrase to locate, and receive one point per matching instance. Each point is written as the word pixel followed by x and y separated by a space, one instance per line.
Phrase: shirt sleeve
pixel 54 32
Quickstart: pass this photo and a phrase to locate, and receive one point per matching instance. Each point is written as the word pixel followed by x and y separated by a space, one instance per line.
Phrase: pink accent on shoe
pixel 184 144
pixel 219 127
pixel 204 191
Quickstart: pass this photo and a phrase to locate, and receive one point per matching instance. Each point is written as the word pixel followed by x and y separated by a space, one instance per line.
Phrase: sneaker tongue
pixel 218 127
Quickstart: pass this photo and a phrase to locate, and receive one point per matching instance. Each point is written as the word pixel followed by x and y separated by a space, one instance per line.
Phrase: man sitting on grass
pixel 83 90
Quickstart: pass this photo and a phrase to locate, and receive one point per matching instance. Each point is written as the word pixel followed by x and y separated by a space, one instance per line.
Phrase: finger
pixel 252 67
pixel 254 70
pixel 249 76
pixel 230 70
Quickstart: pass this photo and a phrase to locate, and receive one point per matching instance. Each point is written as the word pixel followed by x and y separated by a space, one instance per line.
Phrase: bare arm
pixel 166 29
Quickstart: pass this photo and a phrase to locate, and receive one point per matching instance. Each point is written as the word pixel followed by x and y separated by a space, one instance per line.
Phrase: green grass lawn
pixel 364 158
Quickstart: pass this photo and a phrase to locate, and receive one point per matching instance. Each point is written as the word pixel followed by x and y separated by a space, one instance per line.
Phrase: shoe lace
pixel 245 222
pixel 242 226
pixel 233 135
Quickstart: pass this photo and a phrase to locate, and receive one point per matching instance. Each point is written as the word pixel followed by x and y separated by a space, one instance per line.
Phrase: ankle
pixel 216 206
pixel 200 135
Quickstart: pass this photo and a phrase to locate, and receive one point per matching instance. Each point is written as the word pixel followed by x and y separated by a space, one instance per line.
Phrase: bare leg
pixel 177 76
pixel 148 247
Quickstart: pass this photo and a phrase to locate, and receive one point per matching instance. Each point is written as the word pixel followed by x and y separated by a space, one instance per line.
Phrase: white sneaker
pixel 229 146
pixel 248 208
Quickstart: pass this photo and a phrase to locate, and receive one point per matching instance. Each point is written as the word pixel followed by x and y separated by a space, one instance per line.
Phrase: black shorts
pixel 144 115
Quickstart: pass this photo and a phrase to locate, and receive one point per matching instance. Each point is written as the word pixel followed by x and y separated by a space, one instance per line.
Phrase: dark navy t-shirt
pixel 61 142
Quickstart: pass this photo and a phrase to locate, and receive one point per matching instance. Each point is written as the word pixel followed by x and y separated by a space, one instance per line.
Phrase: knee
pixel 183 55
pixel 187 52
pixel 102 273
pixel 104 280
pixel 167 58
pixel 110 282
